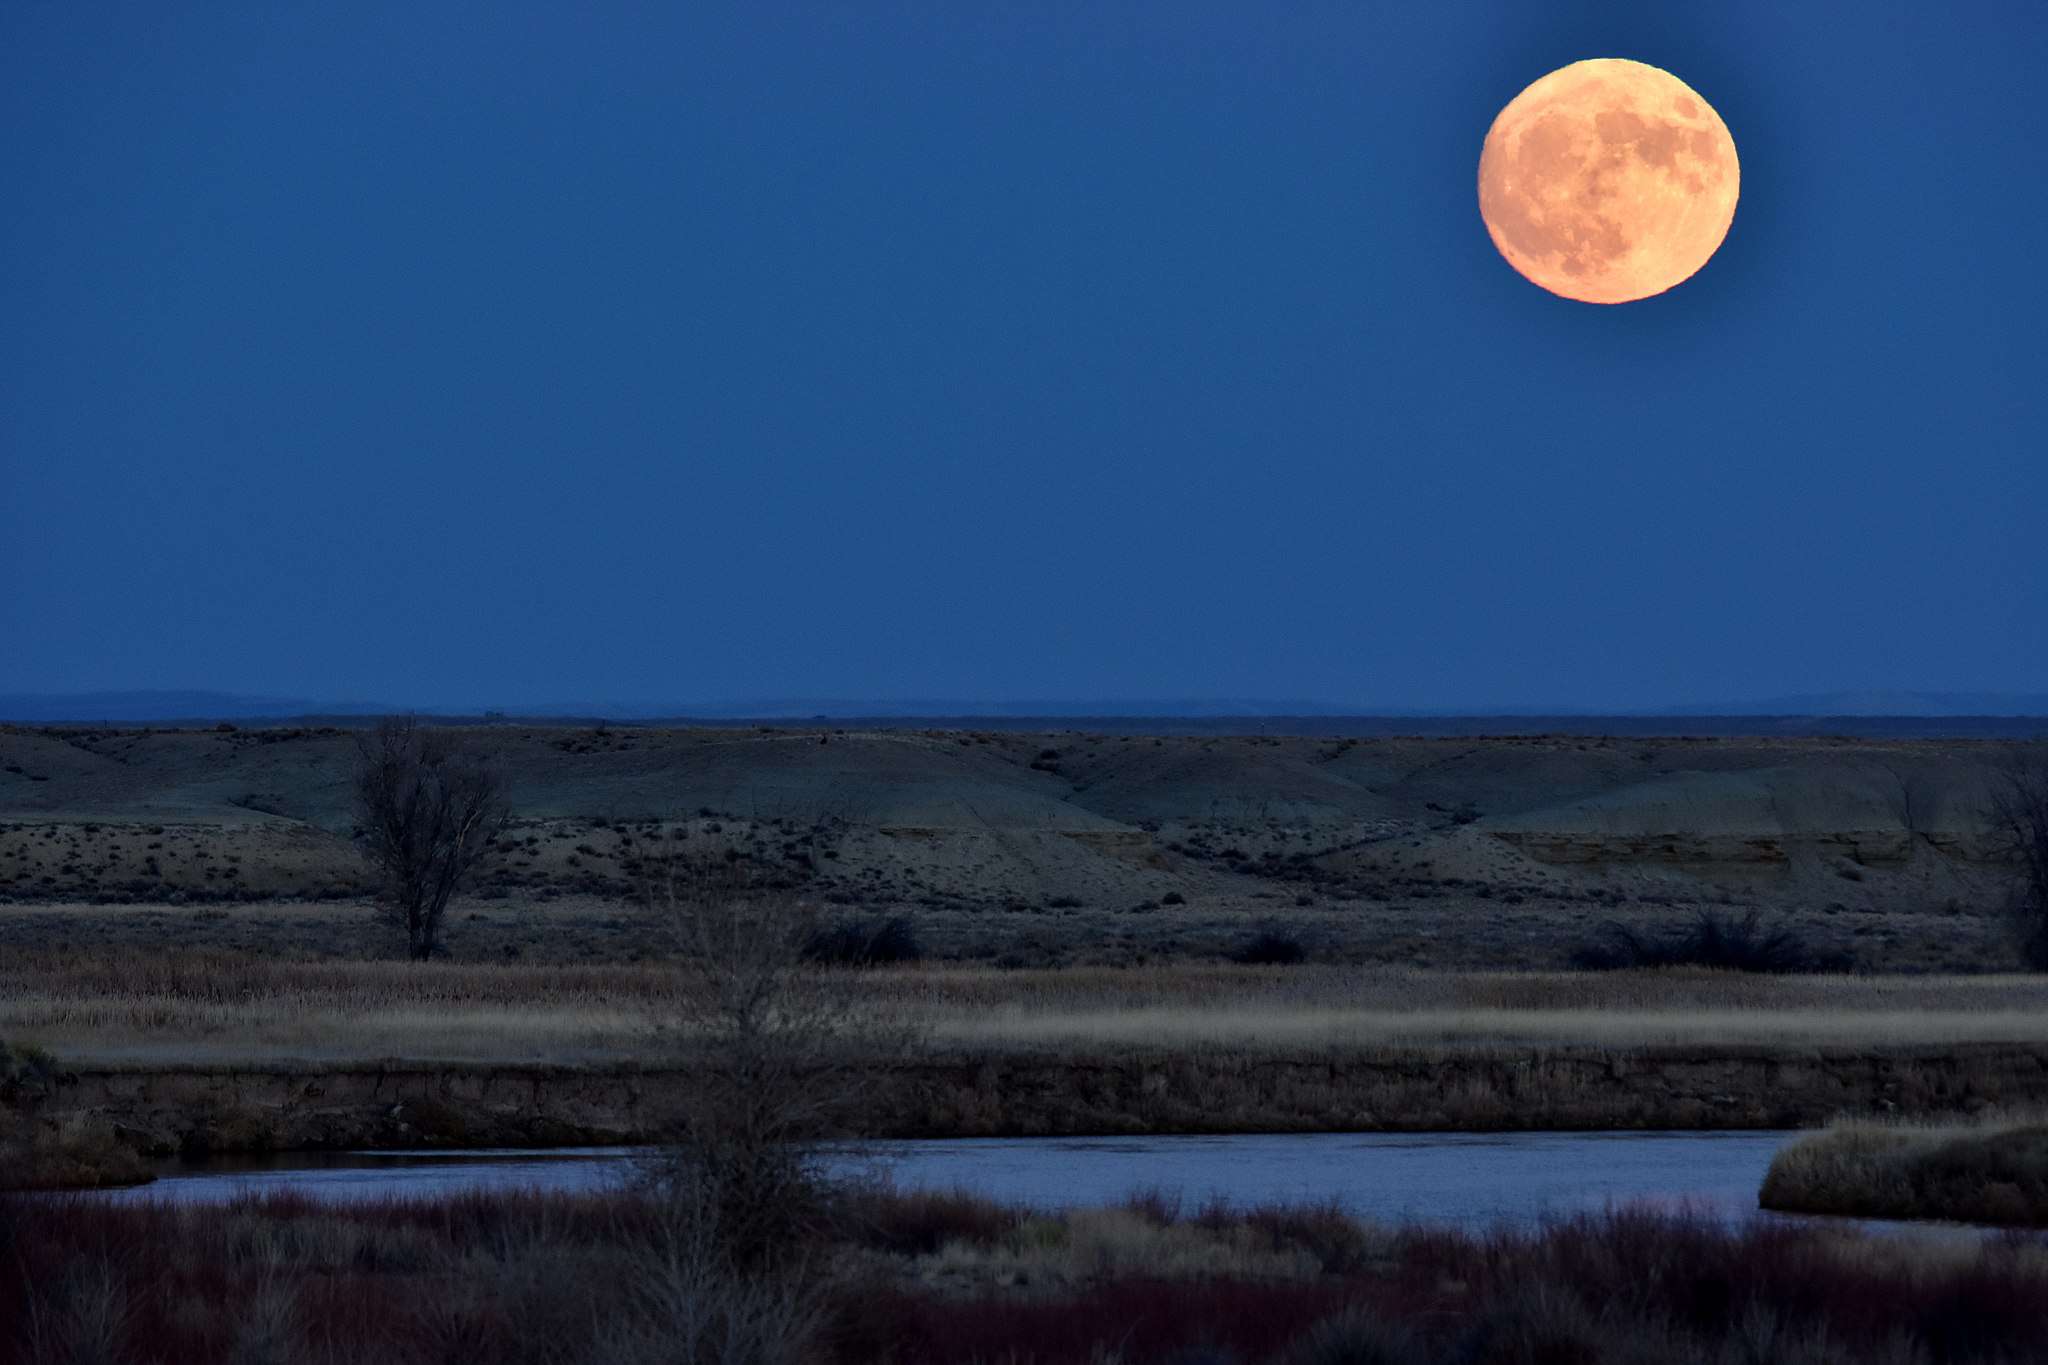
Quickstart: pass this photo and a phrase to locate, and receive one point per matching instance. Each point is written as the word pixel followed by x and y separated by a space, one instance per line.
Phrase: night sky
pixel 511 353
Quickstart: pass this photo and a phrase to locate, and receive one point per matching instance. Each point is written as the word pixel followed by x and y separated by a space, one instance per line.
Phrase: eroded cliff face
pixel 200 1110
pixel 1862 848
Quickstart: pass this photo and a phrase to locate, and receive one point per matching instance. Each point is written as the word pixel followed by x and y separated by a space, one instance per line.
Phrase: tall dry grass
pixel 202 1007
pixel 38 1153
pixel 76 1154
pixel 214 1006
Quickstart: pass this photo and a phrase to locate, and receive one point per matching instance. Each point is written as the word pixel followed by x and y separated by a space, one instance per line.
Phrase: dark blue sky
pixel 500 353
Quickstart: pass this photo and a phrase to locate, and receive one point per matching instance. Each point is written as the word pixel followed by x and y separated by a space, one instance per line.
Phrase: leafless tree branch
pixel 2019 819
pixel 787 1055
pixel 428 811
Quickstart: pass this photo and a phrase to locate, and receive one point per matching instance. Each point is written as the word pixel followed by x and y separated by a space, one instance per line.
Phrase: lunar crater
pixel 1608 181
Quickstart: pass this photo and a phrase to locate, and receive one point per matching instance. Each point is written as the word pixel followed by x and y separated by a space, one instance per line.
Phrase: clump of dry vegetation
pixel 40 1154
pixel 1992 1169
pixel 68 1156
pixel 1149 1235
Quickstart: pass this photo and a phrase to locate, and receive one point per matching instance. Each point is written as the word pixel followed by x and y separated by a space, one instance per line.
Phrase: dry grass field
pixel 216 1008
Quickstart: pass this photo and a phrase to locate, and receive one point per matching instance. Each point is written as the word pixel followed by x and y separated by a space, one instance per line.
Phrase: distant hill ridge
pixel 156 707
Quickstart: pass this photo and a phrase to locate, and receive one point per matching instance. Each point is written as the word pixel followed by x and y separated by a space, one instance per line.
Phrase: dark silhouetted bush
pixel 920 1222
pixel 1269 948
pixel 1357 1337
pixel 854 943
pixel 1719 941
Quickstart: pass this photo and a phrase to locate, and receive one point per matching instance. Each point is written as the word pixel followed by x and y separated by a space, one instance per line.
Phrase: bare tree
pixel 786 1055
pixel 428 810
pixel 2019 818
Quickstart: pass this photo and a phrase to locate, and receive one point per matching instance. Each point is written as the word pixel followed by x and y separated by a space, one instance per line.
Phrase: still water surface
pixel 1469 1179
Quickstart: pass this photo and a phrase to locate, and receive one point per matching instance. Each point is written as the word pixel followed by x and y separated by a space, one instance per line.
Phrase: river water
pixel 1466 1179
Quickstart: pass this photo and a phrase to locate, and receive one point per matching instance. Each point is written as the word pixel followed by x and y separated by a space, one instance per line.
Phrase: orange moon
pixel 1608 181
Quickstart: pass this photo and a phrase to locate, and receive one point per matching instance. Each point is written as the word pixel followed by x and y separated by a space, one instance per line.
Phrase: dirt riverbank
pixel 160 1110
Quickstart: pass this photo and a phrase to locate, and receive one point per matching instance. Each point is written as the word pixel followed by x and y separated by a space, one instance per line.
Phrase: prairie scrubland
pixel 948 1278
pixel 1089 933
pixel 1101 932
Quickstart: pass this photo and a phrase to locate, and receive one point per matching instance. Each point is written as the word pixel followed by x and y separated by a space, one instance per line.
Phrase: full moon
pixel 1608 181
